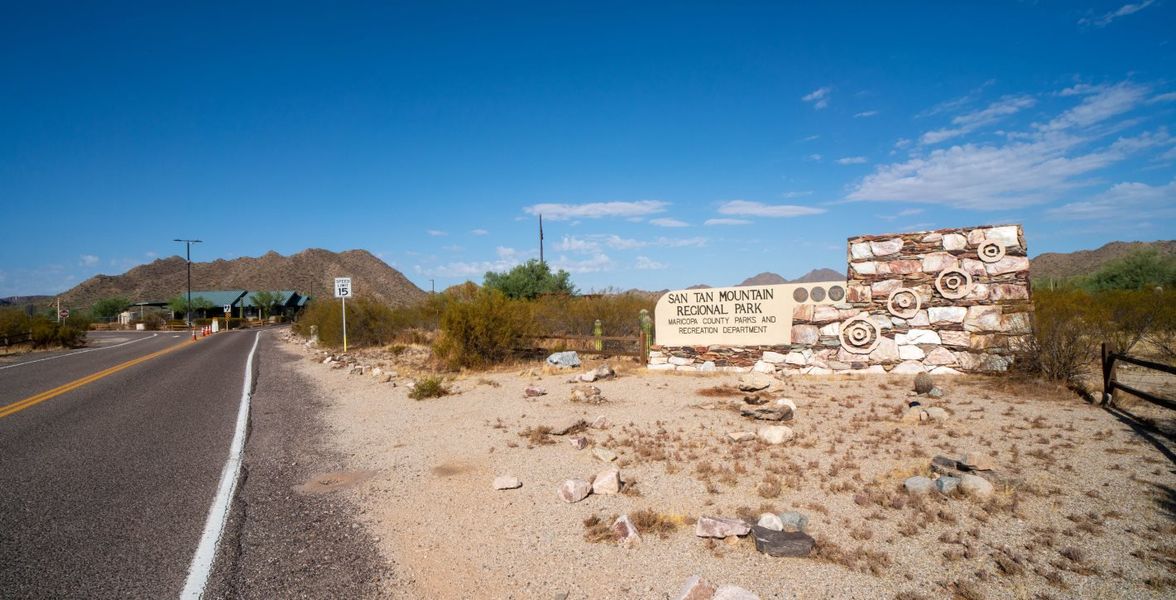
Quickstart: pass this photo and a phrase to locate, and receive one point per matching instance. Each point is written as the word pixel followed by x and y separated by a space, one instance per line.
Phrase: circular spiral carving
pixel 990 251
pixel 836 293
pixel 904 303
pixel 859 335
pixel 818 294
pixel 800 294
pixel 953 284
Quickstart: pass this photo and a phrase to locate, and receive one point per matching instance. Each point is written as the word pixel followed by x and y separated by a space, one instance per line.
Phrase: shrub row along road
pixel 111 458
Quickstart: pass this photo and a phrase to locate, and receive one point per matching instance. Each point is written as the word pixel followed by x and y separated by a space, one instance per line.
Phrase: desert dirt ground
pixel 1085 507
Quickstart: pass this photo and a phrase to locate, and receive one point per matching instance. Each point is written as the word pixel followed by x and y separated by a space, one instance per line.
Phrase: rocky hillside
pixel 1058 265
pixel 811 276
pixel 311 272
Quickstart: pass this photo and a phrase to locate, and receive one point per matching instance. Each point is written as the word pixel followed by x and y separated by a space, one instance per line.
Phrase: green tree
pixel 179 305
pixel 1144 269
pixel 530 280
pixel 109 308
pixel 266 301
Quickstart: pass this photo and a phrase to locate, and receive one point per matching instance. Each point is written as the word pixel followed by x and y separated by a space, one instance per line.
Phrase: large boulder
pixel 775 434
pixel 782 543
pixel 607 482
pixel 567 359
pixel 626 532
pixel 754 382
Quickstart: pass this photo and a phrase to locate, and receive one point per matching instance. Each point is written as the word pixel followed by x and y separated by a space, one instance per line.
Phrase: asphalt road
pixel 105 488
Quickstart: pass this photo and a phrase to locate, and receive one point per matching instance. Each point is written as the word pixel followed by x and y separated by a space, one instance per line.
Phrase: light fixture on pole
pixel 188 244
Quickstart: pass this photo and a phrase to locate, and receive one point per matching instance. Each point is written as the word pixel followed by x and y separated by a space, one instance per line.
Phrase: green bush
pixel 107 309
pixel 1061 347
pixel 530 280
pixel 486 330
pixel 429 387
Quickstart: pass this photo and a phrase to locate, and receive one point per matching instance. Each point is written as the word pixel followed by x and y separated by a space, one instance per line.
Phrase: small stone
pixel 770 521
pixel 386 378
pixel 947 484
pixel 913 414
pixel 506 482
pixel 755 400
pixel 720 527
pixel 574 490
pixel 936 413
pixel 604 454
pixel 604 372
pixel 600 422
pixel 578 442
pixel 764 367
pixel 696 588
pixel 740 436
pixel 944 465
pixel 588 377
pixel 533 390
pixel 793 521
pixel 586 393
pixel 569 425
pixel 975 486
pixel 773 357
pixel 787 402
pixel 775 434
pixel 607 482
pixel 935 393
pixel 626 532
pixel 977 461
pixel 767 413
pixel 918 485
pixel 754 382
pixel 782 543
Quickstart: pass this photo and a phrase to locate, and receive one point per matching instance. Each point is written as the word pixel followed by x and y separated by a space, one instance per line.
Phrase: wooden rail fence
pixel 611 345
pixel 1111 383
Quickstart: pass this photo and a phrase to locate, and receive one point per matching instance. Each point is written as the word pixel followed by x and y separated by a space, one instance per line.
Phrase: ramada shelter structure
pixel 241 303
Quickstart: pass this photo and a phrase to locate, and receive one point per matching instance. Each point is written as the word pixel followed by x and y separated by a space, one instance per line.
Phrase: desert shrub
pixel 429 387
pixel 488 329
pixel 107 309
pixel 1125 317
pixel 576 315
pixel 530 280
pixel 1145 269
pixel 1062 346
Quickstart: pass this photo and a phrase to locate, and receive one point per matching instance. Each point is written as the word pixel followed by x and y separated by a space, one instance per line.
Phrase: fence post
pixel 597 331
pixel 1108 372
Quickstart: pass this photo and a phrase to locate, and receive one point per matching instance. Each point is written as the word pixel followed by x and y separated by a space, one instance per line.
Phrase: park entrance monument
pixel 946 301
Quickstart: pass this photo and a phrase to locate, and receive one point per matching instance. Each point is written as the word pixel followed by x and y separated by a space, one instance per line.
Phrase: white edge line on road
pixel 201 568
pixel 29 362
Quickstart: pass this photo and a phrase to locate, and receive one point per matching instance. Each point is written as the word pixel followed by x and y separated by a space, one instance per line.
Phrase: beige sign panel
pixel 759 315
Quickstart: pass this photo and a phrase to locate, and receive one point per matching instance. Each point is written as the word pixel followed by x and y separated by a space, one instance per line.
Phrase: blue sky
pixel 665 145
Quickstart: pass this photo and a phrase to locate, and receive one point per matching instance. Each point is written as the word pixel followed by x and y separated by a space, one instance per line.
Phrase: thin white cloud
pixel 724 221
pixel 666 222
pixel 866 114
pixel 1166 97
pixel 969 122
pixel 747 208
pixel 436 232
pixel 575 244
pixel 1106 102
pixel 88 260
pixel 1122 11
pixel 819 97
pixel 592 264
pixel 950 106
pixel 852 160
pixel 644 263
pixel 811 138
pixel 597 210
pixel 479 232
pixel 792 195
pixel 815 156
pixel 452 248
pixel 507 259
pixel 1129 200
pixel 1031 167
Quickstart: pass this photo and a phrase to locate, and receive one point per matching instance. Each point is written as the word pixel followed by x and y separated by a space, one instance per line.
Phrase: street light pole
pixel 188 245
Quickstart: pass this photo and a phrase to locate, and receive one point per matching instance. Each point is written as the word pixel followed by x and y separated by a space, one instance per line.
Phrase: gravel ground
pixel 1088 510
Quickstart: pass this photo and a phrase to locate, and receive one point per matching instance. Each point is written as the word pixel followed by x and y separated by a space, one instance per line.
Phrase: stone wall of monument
pixel 946 301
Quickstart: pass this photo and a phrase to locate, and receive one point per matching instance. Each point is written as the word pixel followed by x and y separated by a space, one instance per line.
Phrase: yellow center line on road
pixel 20 405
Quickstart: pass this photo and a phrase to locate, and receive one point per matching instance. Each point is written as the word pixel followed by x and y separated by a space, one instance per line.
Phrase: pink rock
pixel 805 334
pixel 720 527
pixel 574 490
pixel 938 261
pixel 607 482
pixel 1008 264
pixel 600 422
pixel 954 241
pixel 982 318
pixel 857 293
pixel 1009 291
pixel 626 532
pixel 802 312
pixel 940 356
pixel 864 268
pixel 960 339
pixel 696 588
pixel 883 288
pixel 534 390
pixel 824 314
pixel 886 247
pixel 1016 323
pixel 733 592
pixel 578 442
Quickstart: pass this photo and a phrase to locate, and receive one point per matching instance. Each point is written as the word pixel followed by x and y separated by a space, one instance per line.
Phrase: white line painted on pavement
pixel 76 353
pixel 201 568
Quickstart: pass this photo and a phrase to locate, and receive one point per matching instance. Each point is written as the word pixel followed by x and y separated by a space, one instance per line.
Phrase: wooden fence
pixel 1111 383
pixel 609 345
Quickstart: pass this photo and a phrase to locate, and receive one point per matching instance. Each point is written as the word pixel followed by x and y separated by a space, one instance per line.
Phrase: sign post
pixel 228 314
pixel 343 291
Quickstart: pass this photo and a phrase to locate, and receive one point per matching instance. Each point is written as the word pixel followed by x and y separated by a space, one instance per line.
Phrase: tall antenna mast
pixel 541 238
